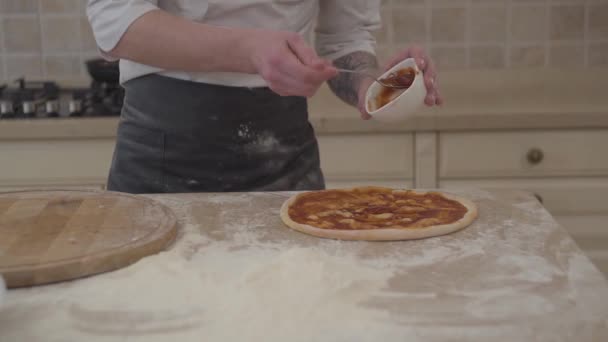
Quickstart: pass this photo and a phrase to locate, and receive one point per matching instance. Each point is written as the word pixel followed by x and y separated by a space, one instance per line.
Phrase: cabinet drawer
pixel 589 232
pixel 381 156
pixel 523 154
pixel 57 162
pixel 561 196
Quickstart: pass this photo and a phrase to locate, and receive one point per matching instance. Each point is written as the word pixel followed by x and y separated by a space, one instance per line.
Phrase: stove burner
pixel 34 100
pixel 103 99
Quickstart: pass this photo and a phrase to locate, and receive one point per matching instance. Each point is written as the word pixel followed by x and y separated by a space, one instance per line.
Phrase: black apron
pixel 181 136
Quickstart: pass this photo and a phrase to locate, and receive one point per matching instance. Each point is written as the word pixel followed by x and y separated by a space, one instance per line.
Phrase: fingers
pixel 304 53
pixel 418 53
pixel 290 88
pixel 304 73
pixel 426 65
pixel 296 70
pixel 430 80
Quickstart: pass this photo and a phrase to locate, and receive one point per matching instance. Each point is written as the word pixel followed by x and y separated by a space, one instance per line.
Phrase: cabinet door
pixel 468 155
pixel 387 157
pixel 591 235
pixel 60 163
pixel 561 196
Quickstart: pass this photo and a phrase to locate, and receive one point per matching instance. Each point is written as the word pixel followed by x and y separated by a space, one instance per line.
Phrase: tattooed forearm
pixel 346 85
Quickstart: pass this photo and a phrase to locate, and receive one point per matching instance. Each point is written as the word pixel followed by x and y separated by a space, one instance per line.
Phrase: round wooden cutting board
pixel 50 236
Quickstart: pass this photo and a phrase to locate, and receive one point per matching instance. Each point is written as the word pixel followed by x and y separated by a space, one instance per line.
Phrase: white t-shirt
pixel 337 27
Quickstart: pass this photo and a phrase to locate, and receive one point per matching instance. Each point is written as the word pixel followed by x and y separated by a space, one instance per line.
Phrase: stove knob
pixel 6 110
pixel 52 108
pixel 29 109
pixel 75 107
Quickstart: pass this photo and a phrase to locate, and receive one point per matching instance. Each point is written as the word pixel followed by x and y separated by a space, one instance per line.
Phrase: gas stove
pixel 46 99
pixel 26 99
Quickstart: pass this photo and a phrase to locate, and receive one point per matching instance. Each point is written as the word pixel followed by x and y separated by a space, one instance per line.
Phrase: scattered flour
pixel 244 131
pixel 221 294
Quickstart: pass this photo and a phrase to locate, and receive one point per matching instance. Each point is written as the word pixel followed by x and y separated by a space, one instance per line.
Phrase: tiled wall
pixel 51 38
pixel 44 39
pixel 500 33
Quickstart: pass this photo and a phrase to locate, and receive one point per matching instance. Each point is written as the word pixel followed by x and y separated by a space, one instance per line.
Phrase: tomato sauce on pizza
pixel 374 208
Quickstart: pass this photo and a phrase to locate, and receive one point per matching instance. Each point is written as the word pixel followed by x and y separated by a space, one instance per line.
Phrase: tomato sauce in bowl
pixel 402 78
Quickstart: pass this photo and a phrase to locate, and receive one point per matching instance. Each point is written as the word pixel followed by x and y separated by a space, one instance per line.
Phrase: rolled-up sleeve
pixel 346 26
pixel 110 19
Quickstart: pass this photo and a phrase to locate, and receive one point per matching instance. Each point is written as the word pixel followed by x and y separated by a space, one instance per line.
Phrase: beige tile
pixel 449 58
pixel 527 56
pixel 59 6
pixel 21 34
pixel 60 34
pixel 448 25
pixel 1 36
pixel 528 23
pixel 598 21
pixel 487 57
pixel 62 66
pixel 488 24
pixel 567 22
pixel 23 66
pixel 409 25
pixel 598 54
pixel 567 55
pixel 18 6
pixel 87 40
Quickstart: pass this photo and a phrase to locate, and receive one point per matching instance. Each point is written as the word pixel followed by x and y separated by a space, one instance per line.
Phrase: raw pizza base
pixel 384 234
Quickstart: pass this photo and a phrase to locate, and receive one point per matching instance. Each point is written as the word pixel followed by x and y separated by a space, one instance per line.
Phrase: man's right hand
pixel 289 65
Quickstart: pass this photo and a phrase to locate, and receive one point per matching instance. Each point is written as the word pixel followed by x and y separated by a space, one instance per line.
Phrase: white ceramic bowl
pixel 404 105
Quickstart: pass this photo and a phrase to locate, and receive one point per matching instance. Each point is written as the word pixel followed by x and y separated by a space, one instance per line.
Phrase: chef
pixel 216 90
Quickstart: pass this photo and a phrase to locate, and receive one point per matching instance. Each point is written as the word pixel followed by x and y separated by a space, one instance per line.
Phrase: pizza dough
pixel 374 213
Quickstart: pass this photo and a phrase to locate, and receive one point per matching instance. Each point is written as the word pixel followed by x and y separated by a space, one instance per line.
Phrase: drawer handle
pixel 535 156
pixel 539 198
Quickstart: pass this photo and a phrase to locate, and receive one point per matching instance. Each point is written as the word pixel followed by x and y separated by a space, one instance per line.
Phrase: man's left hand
pixel 425 64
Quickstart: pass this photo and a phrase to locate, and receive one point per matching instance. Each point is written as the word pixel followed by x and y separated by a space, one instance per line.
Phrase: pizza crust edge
pixel 384 234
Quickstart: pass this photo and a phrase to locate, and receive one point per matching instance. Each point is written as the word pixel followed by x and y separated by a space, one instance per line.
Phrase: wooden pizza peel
pixel 51 236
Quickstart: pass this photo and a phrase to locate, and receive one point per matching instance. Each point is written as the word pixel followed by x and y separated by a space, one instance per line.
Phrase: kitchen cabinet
pixel 367 159
pixel 54 163
pixel 566 169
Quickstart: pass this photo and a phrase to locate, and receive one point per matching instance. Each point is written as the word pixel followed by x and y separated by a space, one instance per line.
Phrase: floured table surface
pixel 50 236
pixel 236 273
